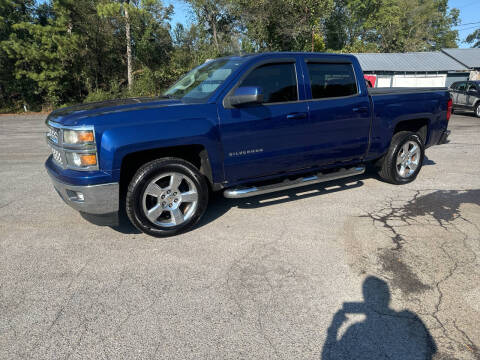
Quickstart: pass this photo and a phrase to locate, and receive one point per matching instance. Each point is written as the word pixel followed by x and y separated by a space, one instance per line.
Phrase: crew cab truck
pixel 244 125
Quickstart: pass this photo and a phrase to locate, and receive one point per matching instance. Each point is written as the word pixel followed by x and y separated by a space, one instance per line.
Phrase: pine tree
pixel 128 12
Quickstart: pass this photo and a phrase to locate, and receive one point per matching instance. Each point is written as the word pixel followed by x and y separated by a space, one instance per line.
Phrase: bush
pixel 145 83
pixel 98 95
pixel 114 92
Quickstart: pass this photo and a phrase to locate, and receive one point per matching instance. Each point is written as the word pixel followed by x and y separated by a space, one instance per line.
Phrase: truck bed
pixel 403 90
pixel 394 105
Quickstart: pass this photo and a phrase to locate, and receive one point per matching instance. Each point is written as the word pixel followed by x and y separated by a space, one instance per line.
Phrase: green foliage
pixel 66 51
pixel 13 91
pixel 114 92
pixel 474 38
pixel 217 22
pixel 392 25
pixel 282 25
pixel 44 56
pixel 100 95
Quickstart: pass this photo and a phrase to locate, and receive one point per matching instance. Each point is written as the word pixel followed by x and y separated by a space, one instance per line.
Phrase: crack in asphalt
pixel 5 205
pixel 391 213
pixel 257 282
pixel 444 208
pixel 92 314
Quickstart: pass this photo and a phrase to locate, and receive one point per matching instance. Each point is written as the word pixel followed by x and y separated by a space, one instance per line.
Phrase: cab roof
pixel 287 54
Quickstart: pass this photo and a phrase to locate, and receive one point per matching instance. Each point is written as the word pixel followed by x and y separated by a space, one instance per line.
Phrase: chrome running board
pixel 243 192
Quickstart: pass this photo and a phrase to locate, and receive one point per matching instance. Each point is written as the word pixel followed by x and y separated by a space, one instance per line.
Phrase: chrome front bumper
pixel 90 199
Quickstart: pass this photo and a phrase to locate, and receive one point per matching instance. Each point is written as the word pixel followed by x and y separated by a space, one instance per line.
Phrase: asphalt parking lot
pixel 352 269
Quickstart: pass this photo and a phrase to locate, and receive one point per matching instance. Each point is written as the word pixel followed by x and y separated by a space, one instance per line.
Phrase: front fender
pixel 149 132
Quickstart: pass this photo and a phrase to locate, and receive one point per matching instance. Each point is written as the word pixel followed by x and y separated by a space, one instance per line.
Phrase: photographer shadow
pixel 383 334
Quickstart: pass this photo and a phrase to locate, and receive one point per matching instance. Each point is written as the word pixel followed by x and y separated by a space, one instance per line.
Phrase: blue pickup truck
pixel 244 125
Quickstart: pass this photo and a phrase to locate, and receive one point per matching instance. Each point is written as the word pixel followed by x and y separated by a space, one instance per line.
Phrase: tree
pixel 65 51
pixel 129 11
pixel 416 25
pixel 122 8
pixel 282 25
pixel 316 13
pixel 474 38
pixel 391 25
pixel 351 25
pixel 192 47
pixel 44 53
pixel 152 39
pixel 11 90
pixel 217 20
pixel 99 60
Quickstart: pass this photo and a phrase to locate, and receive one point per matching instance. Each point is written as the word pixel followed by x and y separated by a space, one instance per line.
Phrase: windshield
pixel 200 83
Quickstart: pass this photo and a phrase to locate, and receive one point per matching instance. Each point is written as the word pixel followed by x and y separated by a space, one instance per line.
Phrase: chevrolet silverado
pixel 244 125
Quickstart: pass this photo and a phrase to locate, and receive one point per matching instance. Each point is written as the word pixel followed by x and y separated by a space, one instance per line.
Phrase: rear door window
pixel 278 82
pixel 471 87
pixel 331 80
pixel 462 86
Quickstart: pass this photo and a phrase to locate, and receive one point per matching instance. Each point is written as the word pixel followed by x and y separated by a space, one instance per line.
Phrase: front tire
pixel 166 196
pixel 404 158
pixel 477 110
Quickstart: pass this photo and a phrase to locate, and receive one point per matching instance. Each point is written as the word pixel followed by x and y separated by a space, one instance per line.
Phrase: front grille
pixel 53 140
pixel 57 157
pixel 53 134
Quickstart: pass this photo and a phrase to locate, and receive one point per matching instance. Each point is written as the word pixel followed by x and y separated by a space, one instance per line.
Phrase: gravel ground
pixel 352 269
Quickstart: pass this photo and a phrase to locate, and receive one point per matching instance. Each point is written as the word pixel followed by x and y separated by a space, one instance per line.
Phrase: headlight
pixel 80 160
pixel 73 148
pixel 74 137
pixel 80 149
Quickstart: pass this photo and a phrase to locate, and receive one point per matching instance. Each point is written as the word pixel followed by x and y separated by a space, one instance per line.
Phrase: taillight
pixel 449 108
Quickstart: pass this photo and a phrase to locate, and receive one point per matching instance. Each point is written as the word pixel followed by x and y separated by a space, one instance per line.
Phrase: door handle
pixel 297 116
pixel 361 109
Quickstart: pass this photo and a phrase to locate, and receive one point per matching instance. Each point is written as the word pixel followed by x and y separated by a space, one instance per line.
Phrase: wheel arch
pixel 420 126
pixel 196 154
pixel 477 103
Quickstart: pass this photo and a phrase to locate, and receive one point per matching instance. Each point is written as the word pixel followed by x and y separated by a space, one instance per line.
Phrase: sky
pixel 183 13
pixel 469 13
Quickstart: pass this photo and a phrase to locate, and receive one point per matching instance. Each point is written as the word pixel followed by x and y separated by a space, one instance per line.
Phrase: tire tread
pixel 153 166
pixel 386 171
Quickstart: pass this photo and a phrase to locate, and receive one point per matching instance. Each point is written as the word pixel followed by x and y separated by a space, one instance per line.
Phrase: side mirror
pixel 246 95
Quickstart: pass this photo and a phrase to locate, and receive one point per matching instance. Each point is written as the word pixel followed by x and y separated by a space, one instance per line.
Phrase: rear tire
pixel 477 110
pixel 166 197
pixel 404 158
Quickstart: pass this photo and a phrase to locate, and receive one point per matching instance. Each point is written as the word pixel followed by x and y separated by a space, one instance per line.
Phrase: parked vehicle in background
pixel 244 125
pixel 465 96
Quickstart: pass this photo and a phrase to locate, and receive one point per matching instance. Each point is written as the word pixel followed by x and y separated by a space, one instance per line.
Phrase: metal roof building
pixel 467 57
pixel 434 61
pixel 414 69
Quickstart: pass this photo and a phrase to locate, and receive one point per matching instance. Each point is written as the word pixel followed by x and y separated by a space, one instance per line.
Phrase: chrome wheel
pixel 477 111
pixel 408 159
pixel 170 199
